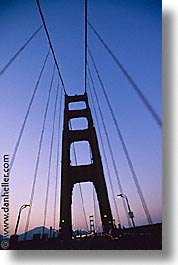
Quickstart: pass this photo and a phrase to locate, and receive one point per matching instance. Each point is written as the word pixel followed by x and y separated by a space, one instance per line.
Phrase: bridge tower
pixel 71 175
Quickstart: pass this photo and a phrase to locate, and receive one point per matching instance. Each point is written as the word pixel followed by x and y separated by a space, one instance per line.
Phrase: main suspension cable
pixel 51 46
pixel 19 51
pixel 86 38
pixel 130 79
pixel 38 155
pixel 135 178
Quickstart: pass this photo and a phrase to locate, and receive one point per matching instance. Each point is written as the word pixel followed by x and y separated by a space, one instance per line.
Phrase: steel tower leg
pixel 71 175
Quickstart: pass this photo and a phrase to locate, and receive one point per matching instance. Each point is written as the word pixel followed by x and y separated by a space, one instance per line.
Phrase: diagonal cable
pixel 19 51
pixel 130 79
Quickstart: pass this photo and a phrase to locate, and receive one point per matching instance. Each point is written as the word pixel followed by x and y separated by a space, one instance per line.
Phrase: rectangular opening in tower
pixel 88 207
pixel 78 124
pixel 79 105
pixel 80 153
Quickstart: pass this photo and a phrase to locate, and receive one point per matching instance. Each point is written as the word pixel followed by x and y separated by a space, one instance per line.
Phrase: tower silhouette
pixel 92 172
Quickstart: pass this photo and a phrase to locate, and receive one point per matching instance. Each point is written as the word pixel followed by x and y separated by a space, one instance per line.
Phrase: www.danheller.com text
pixel 5 202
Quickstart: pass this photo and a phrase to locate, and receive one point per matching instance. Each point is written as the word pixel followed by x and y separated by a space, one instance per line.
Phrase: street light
pixel 130 213
pixel 18 219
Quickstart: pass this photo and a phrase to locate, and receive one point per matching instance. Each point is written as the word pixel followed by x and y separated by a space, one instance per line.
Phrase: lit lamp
pixel 18 219
pixel 130 213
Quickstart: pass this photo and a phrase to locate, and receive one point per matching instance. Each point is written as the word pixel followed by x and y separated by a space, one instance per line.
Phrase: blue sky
pixel 133 31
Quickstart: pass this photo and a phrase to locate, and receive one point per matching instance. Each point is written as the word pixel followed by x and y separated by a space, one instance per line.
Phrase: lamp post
pixel 130 213
pixel 18 219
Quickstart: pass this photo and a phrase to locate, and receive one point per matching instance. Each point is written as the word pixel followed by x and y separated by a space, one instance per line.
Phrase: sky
pixel 133 31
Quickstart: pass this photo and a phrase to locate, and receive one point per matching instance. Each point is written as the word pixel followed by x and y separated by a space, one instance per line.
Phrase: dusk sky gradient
pixel 133 31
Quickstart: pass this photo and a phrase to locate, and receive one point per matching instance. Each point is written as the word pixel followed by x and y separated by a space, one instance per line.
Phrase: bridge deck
pixel 140 238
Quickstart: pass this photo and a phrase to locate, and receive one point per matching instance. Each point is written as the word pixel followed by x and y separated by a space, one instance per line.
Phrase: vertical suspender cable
pixel 27 113
pixel 104 153
pixel 80 188
pixel 135 178
pixel 50 158
pixel 110 148
pixel 38 156
pixel 94 208
pixel 57 160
